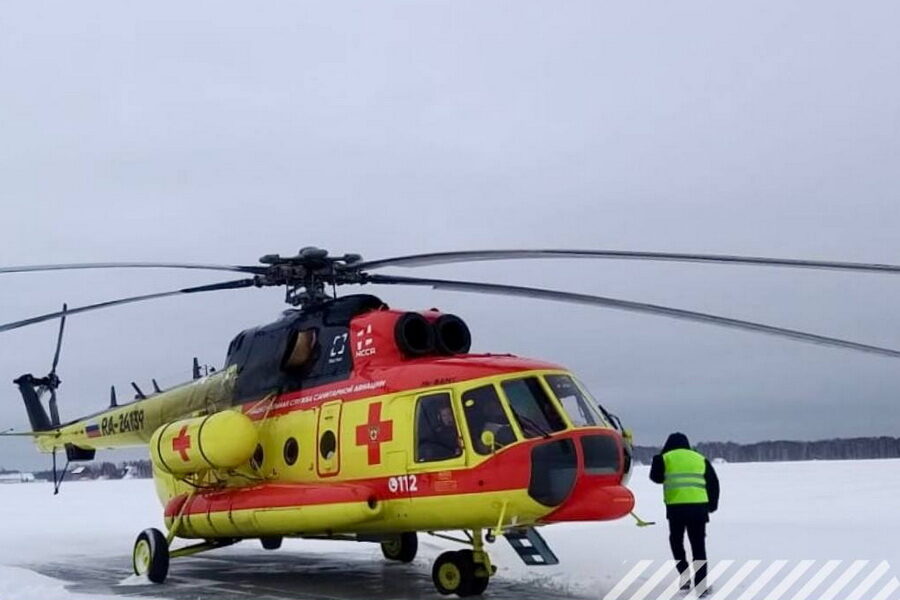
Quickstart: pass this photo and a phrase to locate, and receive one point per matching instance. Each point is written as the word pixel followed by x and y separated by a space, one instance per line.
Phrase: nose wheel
pixel 463 572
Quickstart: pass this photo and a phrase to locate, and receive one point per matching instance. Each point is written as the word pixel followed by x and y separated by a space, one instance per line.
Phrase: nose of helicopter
pixel 582 477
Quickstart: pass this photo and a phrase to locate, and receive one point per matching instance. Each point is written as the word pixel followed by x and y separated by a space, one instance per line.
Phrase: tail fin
pixel 37 415
pixel 28 386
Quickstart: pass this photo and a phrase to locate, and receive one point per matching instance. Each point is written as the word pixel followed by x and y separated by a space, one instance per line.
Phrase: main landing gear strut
pixel 151 553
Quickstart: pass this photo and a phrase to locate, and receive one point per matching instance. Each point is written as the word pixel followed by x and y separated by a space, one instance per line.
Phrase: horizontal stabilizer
pixel 31 434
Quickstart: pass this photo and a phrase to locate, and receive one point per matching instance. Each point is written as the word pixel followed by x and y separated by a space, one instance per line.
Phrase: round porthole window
pixel 327 445
pixel 291 451
pixel 258 457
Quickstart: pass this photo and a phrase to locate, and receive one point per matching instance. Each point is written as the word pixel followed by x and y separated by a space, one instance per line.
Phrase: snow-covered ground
pixel 812 510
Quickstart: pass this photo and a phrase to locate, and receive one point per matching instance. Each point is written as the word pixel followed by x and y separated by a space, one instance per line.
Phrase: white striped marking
pixel 667 569
pixel 817 579
pixel 673 587
pixel 761 581
pixel 869 581
pixel 626 581
pixel 714 573
pixel 788 581
pixel 889 589
pixel 843 580
pixel 735 580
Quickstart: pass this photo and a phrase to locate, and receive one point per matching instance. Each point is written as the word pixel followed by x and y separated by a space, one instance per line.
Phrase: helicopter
pixel 348 419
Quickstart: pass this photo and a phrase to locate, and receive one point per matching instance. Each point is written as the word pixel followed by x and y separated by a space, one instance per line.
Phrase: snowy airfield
pixel 78 545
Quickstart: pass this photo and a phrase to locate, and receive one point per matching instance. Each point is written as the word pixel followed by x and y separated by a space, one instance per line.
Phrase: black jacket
pixel 686 511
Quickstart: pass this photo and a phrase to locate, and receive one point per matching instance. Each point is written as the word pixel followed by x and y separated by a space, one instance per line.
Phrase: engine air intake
pixel 452 335
pixel 414 334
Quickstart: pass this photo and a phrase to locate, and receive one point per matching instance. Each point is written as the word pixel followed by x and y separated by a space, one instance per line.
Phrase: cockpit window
pixel 575 403
pixel 532 407
pixel 436 433
pixel 609 418
pixel 485 413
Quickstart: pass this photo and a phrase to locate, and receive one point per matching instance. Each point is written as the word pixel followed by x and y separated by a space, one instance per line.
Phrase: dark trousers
pixel 696 530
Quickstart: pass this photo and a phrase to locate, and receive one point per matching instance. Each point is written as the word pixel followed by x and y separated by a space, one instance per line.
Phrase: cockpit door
pixel 437 438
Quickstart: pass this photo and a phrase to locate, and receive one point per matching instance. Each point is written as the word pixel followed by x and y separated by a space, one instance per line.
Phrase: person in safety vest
pixel 691 492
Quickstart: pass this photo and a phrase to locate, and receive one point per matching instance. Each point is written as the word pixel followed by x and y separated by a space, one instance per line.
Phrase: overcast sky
pixel 222 131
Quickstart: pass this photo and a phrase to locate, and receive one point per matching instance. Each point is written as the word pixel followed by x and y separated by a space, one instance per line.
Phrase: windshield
pixel 533 409
pixel 576 403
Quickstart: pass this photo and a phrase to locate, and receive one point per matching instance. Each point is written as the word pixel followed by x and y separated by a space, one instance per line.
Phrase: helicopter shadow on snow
pixel 273 576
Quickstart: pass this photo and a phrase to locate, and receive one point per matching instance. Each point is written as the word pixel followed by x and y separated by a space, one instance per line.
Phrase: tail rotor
pixel 33 390
pixel 52 379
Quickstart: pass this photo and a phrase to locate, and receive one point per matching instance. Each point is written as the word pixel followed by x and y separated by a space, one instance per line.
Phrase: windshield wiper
pixel 532 424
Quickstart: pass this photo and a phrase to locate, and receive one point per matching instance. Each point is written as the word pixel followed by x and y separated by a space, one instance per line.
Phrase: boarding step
pixel 531 547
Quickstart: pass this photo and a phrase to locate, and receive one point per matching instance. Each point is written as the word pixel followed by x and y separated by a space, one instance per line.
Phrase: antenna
pixel 140 395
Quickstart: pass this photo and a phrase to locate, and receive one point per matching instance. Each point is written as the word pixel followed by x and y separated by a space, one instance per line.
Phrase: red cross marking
pixel 182 443
pixel 374 432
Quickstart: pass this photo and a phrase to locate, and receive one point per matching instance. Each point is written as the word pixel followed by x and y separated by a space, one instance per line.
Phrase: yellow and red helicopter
pixel 347 419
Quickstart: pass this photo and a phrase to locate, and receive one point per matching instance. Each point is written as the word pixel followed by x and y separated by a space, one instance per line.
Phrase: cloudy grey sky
pixel 221 131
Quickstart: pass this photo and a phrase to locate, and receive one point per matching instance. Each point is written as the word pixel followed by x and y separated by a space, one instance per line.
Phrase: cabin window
pixel 484 412
pixel 299 350
pixel 533 409
pixel 258 457
pixel 291 451
pixel 327 445
pixel 437 437
pixel 574 402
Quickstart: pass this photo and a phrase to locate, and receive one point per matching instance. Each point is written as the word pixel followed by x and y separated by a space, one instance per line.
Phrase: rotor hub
pixel 307 274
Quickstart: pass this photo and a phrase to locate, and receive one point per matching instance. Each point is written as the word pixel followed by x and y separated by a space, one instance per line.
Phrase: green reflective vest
pixel 685 482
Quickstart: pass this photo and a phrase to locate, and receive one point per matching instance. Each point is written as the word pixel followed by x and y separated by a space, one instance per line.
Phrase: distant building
pixel 16 477
pixel 80 473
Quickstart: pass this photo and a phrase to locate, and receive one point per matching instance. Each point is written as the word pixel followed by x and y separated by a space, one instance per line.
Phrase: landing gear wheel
pixel 479 582
pixel 455 573
pixel 401 548
pixel 271 542
pixel 150 556
pixel 452 574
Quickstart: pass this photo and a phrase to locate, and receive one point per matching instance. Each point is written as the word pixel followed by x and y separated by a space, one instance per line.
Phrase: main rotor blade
pixel 640 307
pixel 226 285
pixel 133 265
pixel 441 258
pixel 62 327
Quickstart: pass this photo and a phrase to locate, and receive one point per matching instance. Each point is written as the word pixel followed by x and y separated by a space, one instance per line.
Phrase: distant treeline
pixel 837 449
